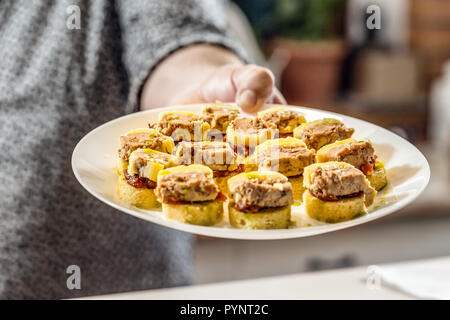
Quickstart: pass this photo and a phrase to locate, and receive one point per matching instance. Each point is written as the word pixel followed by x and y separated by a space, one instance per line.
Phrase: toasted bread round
pixel 333 211
pixel 207 213
pixel 268 218
pixel 378 178
pixel 139 197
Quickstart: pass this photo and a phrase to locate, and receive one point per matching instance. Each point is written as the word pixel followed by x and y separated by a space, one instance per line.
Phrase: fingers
pixel 247 99
pixel 254 85
pixel 250 86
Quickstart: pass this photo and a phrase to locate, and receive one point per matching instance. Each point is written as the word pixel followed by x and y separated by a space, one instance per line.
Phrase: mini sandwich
pixel 319 133
pixel 219 116
pixel 189 195
pixel 138 180
pixel 216 155
pixel 143 138
pixel 244 133
pixel 336 191
pixel 288 156
pixel 260 200
pixel 360 154
pixel 284 118
pixel 181 125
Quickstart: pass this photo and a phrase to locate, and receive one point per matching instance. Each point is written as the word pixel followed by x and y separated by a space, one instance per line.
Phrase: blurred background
pixel 398 76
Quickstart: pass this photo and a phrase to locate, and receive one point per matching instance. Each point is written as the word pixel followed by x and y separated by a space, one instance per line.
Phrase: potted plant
pixel 309 40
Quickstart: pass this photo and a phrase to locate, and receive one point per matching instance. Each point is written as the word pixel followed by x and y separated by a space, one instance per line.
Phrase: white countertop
pixel 335 284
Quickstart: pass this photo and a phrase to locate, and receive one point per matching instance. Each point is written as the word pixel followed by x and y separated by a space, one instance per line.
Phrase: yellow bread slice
pixel 333 211
pixel 378 178
pixel 139 197
pixel 287 126
pixel 207 213
pixel 268 218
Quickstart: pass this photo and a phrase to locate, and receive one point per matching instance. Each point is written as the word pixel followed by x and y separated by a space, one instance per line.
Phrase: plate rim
pixel 233 233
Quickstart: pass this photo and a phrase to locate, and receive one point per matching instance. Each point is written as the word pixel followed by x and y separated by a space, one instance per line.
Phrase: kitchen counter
pixel 349 283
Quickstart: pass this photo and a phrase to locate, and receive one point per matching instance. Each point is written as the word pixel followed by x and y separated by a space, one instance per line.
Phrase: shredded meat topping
pixel 359 154
pixel 143 140
pixel 279 118
pixel 331 183
pixel 270 192
pixel 186 187
pixel 322 133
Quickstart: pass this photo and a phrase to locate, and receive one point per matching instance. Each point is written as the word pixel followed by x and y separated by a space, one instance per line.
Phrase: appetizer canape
pixel 288 156
pixel 216 155
pixel 244 133
pixel 260 200
pixel 360 154
pixel 181 125
pixel 336 191
pixel 189 194
pixel 146 139
pixel 318 133
pixel 219 116
pixel 138 180
pixel 284 118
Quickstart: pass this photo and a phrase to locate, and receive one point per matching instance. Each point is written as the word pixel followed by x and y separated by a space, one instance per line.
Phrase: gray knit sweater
pixel 56 85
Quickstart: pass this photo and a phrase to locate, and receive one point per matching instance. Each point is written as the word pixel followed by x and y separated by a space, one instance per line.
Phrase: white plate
pixel 95 157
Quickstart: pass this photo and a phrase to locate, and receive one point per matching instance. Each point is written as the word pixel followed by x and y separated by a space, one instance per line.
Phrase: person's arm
pixel 206 73
pixel 167 63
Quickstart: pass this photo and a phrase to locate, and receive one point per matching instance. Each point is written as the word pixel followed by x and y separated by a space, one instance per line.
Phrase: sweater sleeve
pixel 152 29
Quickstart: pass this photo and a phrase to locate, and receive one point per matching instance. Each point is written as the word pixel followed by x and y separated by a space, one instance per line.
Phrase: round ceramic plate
pixel 95 157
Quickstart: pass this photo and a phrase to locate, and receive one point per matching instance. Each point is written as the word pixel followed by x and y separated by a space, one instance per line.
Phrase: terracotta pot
pixel 313 70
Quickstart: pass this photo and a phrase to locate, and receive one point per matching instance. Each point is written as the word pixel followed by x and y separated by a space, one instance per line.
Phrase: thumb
pixel 254 86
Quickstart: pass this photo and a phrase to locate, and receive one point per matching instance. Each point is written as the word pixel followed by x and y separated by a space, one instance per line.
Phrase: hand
pixel 250 86
pixel 205 73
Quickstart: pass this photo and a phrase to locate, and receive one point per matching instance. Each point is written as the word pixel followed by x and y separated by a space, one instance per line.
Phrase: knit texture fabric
pixel 56 85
